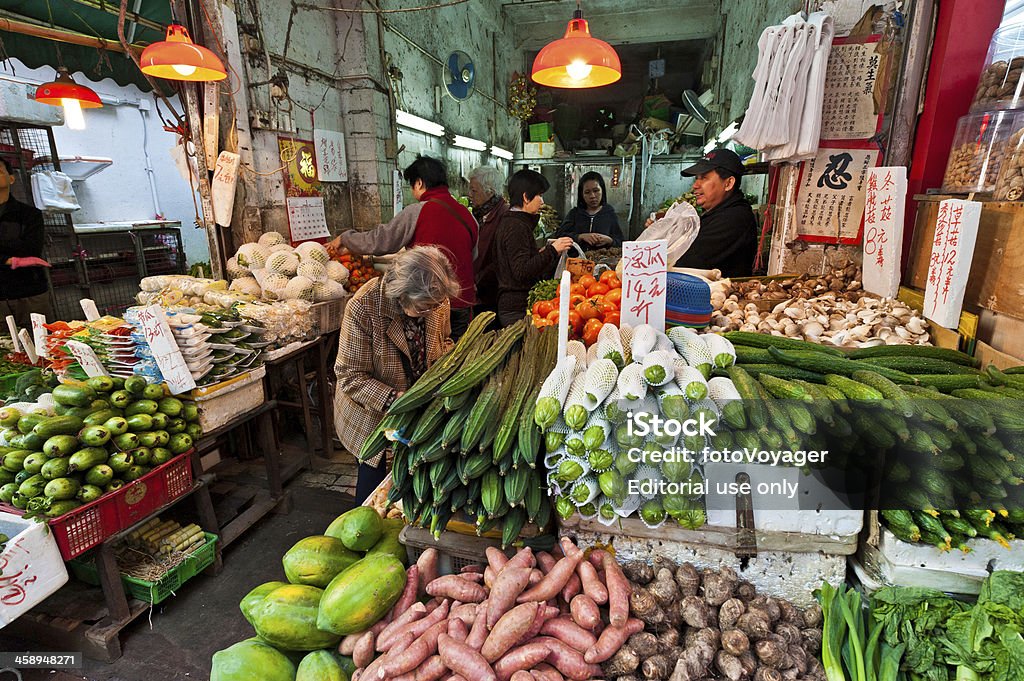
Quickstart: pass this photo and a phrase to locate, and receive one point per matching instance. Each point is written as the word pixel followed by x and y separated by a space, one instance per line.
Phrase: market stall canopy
pixel 145 23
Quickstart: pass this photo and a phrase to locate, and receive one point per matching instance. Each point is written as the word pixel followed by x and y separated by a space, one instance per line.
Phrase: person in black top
pixel 592 223
pixel 727 239
pixel 24 287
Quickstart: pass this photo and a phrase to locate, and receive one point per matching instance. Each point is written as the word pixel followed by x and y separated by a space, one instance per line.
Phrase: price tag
pixel 39 333
pixel 883 229
pixel 86 356
pixel 956 230
pixel 92 313
pixel 30 347
pixel 165 350
pixel 644 283
pixel 13 328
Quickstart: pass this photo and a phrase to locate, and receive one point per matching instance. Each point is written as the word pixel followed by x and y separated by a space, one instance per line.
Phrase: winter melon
pixel 287 619
pixel 356 599
pixel 359 529
pixel 251 660
pixel 317 560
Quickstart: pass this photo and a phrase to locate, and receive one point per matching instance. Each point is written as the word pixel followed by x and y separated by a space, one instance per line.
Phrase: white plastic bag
pixel 52 191
pixel 679 228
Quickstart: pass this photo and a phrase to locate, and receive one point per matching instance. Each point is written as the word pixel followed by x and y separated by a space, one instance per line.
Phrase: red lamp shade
pixel 65 88
pixel 178 58
pixel 577 60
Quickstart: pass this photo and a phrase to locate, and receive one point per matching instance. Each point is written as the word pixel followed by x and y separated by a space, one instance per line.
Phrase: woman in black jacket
pixel 592 222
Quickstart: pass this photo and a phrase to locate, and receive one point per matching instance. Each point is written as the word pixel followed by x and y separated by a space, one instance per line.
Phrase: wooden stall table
pixel 309 360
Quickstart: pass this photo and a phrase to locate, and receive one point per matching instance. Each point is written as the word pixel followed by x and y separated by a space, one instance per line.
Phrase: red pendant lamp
pixel 65 92
pixel 178 58
pixel 577 60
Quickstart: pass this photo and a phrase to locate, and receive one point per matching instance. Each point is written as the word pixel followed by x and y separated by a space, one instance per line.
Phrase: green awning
pixel 88 17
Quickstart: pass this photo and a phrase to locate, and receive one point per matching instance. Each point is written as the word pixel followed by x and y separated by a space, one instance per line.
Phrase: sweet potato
pixel 569 661
pixel 362 653
pixel 473 567
pixel 567 631
pixel 431 670
pixel 496 559
pixel 556 579
pixel 408 659
pixel 545 561
pixel 592 585
pixel 508 630
pixel 536 576
pixel 348 644
pixel 456 588
pixel 408 596
pixel 369 672
pixel 544 613
pixel 488 577
pixel 466 612
pixel 426 566
pixel 619 590
pixel 523 558
pixel 417 628
pixel 545 672
pixel 524 657
pixel 508 585
pixel 415 612
pixel 457 628
pixel 463 660
pixel 522 675
pixel 585 611
pixel 475 577
pixel 612 638
pixel 478 632
pixel 572 587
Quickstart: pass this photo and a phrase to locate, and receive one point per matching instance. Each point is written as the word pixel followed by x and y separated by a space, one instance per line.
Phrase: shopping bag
pixel 679 227
pixel 564 260
pixel 52 191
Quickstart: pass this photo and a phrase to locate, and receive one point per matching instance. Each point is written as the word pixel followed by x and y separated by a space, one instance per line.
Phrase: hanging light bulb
pixel 178 58
pixel 66 93
pixel 577 60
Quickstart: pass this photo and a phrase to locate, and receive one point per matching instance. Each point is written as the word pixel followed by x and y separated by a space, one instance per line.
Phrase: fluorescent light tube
pixel 470 143
pixel 501 153
pixel 408 120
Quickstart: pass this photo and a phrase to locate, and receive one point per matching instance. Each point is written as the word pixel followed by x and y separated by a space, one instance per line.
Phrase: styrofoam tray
pixel 985 554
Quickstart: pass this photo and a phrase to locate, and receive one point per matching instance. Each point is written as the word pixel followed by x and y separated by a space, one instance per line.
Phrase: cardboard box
pixel 538 149
pixel 32 566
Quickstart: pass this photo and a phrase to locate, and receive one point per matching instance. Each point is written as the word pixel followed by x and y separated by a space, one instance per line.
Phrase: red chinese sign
pixel 956 230
pixel 883 229
pixel 644 283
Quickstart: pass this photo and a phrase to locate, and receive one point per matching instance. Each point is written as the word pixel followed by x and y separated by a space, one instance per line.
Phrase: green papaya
pixel 358 597
pixel 317 560
pixel 358 529
pixel 320 665
pixel 255 597
pixel 251 660
pixel 287 618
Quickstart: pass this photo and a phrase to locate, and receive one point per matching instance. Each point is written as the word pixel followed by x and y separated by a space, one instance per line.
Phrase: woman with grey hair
pixel 394 327
pixel 489 208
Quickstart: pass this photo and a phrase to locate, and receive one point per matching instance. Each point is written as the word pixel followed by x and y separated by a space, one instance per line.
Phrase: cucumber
pixel 780 371
pixel 916 351
pixel 946 383
pixel 854 390
pixel 757 413
pixel 58 425
pixel 72 396
pixel 763 340
pixel 919 365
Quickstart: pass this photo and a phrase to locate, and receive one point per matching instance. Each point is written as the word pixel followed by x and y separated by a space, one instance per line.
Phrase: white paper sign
pixel 92 313
pixel 644 283
pixel 222 187
pixel 165 350
pixel 331 163
pixel 13 328
pixel 87 358
pixel 956 230
pixel 211 122
pixel 883 229
pixel 306 218
pixel 39 333
pixel 30 347
pixel 396 189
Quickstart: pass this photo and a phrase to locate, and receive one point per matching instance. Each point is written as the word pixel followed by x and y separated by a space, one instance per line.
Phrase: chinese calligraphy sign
pixel 831 193
pixel 165 350
pixel 331 162
pixel 644 283
pixel 956 230
pixel 848 107
pixel 300 168
pixel 883 229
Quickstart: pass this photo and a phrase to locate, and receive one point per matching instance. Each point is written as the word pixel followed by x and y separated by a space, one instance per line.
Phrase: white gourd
pixel 645 337
pixel 723 353
pixel 658 367
pixel 631 383
pixel 601 378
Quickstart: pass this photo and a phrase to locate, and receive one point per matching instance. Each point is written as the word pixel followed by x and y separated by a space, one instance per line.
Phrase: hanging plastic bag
pixel 678 227
pixel 52 191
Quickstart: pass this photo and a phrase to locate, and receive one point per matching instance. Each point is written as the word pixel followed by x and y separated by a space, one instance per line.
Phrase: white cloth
pixel 52 191
pixel 783 119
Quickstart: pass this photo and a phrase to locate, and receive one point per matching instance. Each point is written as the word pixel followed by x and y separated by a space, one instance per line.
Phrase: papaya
pixel 255 597
pixel 287 619
pixel 320 665
pixel 388 542
pixel 347 665
pixel 358 529
pixel 251 660
pixel 317 560
pixel 357 598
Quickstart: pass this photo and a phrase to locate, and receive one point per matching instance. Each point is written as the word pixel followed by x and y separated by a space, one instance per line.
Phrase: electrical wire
pixel 439 5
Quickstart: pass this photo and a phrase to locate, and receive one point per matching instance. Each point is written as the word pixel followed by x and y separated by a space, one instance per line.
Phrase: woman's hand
pixel 595 239
pixel 562 244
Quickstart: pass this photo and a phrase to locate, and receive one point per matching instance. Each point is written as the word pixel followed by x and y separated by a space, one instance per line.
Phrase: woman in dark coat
pixel 592 222
pixel 520 263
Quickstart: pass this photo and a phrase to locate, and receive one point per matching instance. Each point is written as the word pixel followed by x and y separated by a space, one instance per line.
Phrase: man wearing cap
pixel 727 239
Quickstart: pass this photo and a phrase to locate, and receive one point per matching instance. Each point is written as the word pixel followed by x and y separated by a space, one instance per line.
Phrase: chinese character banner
pixel 830 195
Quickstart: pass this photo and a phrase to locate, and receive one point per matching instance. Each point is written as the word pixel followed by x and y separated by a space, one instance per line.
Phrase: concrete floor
pixel 183 632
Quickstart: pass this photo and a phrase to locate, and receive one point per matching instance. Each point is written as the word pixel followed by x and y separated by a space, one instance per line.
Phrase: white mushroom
pixel 812 329
pixel 871 343
pixel 916 326
pixel 904 333
pixel 749 328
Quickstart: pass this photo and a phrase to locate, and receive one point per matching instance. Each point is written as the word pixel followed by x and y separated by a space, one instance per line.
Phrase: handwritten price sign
pixel 39 333
pixel 87 358
pixel 956 231
pixel 644 283
pixel 331 162
pixel 883 229
pixel 165 350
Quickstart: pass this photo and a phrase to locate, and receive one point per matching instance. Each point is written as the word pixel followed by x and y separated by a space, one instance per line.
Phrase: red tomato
pixel 587 309
pixel 542 308
pixel 598 289
pixel 612 317
pixel 590 331
pixel 587 280
pixel 575 323
pixel 607 276
pixel 576 299
pixel 614 297
pixel 577 288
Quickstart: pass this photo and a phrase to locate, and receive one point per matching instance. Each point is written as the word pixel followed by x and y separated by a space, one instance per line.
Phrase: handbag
pixel 52 191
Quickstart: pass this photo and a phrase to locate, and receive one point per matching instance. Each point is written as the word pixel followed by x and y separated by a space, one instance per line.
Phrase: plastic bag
pixel 52 191
pixel 679 228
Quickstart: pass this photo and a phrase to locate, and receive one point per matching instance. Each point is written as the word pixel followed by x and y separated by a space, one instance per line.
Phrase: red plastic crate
pixel 79 530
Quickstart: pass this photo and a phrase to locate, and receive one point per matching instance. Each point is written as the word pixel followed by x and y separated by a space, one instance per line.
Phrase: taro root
pixel 769 605
pixel 711 638
pixel 771 654
pixel 664 588
pixel 746 592
pixel 643 604
pixel 695 612
pixel 663 563
pixel 628 677
pixel 766 674
pixel 644 644
pixel 626 661
pixel 730 612
pixel 668 639
pixel 656 668
pixel 719 586
pixel 729 666
pixel 688 579
pixel 789 632
pixel 754 624
pixel 812 616
pixel 638 572
pixel 674 617
pixel 798 657
pixel 791 614
pixel 815 670
pixel 735 642
pixel 790 674
pixel 811 640
pixel 749 662
pixel 691 665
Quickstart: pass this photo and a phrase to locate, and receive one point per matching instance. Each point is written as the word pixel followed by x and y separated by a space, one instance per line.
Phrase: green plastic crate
pixel 158 591
pixel 541 132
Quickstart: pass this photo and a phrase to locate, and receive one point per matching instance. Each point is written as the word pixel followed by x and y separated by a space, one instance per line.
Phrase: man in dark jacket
pixel 727 239
pixel 489 209
pixel 24 287
pixel 436 219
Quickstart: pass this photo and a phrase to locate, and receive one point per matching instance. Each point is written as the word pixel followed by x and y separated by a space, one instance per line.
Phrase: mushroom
pixel 916 326
pixel 812 329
